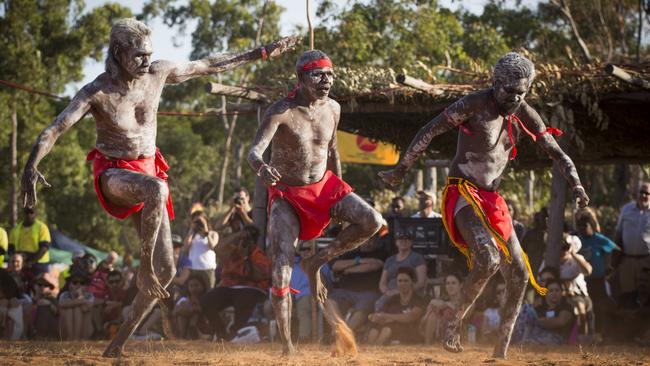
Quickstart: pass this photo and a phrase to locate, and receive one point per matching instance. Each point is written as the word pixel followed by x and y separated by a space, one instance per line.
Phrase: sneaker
pixel 247 335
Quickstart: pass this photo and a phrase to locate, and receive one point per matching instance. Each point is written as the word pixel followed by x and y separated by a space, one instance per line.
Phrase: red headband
pixel 317 64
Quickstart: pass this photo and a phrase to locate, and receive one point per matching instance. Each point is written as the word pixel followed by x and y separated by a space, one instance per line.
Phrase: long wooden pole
pixel 311 29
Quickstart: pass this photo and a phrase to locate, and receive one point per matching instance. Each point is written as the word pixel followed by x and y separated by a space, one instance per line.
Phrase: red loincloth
pixel 493 212
pixel 312 202
pixel 154 166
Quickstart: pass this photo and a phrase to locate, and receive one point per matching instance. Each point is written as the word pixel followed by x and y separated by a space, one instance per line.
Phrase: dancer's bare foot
pixel 148 283
pixel 500 351
pixel 451 342
pixel 289 350
pixel 113 352
pixel 311 267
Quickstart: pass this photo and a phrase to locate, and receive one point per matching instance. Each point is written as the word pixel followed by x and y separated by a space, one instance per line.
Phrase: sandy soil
pixel 207 353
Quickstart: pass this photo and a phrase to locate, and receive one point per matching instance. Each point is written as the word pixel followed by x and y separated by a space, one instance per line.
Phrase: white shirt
pixel 432 215
pixel 201 256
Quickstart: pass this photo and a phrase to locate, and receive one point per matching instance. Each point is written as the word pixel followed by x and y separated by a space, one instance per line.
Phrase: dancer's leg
pixel 282 236
pixel 485 259
pixel 516 278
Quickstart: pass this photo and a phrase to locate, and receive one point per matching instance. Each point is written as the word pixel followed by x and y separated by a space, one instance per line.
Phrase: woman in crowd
pixel 75 309
pixel 399 315
pixel 188 316
pixel 441 311
pixel 405 257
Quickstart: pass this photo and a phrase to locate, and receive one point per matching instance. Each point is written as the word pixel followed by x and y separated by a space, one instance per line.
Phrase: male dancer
pixel 130 178
pixel 475 215
pixel 304 185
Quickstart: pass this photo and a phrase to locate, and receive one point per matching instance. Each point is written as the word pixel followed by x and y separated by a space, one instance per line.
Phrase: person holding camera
pixel 245 279
pixel 199 246
pixel 240 212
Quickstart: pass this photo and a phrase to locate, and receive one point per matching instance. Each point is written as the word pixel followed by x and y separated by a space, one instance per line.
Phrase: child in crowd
pixel 75 309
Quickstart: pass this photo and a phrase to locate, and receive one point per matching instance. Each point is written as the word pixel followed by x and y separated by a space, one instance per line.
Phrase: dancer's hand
pixel 393 176
pixel 31 176
pixel 269 175
pixel 580 196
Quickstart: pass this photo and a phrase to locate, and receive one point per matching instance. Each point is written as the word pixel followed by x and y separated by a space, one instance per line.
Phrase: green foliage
pixel 45 44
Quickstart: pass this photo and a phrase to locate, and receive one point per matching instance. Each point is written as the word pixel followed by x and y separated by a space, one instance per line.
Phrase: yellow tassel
pixel 540 290
pixel 478 210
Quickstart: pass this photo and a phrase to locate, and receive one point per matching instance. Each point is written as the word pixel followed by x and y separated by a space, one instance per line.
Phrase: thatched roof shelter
pixel 604 119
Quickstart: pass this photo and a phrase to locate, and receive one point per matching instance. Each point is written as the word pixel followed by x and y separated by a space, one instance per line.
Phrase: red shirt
pixel 235 272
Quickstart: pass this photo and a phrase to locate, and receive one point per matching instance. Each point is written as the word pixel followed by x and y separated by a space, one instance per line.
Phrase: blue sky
pixel 168 45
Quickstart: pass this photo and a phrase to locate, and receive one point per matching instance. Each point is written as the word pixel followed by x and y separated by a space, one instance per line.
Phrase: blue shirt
pixel 299 279
pixel 594 249
pixel 183 261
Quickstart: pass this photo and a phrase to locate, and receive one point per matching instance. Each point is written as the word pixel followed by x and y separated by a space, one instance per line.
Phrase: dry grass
pixel 207 353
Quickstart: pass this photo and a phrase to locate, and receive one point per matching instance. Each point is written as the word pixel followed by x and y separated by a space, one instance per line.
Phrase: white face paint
pixel 510 94
pixel 317 83
pixel 136 60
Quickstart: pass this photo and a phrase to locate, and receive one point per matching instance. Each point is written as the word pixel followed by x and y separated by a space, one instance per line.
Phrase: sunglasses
pixel 114 282
pixel 304 249
pixel 644 193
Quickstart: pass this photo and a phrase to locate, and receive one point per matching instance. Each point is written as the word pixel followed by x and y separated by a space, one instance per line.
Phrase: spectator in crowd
pixel 31 237
pixel 111 259
pixel 245 278
pixel 440 311
pixel 45 310
pixel 16 269
pixel 188 317
pixel 519 228
pixel 633 233
pixel 88 265
pixel 534 242
pixel 426 201
pixel 546 274
pixel 239 214
pixel 128 271
pixel 492 315
pixel 301 299
pixel 398 317
pixel 405 257
pixel 11 310
pixel 552 322
pixel 200 243
pixel 111 305
pixel 182 261
pixel 597 249
pixel 573 270
pixel 396 207
pixel 358 274
pixel 4 246
pixel 75 309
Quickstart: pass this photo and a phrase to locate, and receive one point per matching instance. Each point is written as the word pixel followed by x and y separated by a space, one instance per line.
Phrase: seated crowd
pixel 382 288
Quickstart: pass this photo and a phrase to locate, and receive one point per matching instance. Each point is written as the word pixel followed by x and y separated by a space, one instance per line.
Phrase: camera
pixel 238 200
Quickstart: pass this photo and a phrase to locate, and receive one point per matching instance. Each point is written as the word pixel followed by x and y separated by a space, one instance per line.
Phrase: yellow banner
pixel 362 150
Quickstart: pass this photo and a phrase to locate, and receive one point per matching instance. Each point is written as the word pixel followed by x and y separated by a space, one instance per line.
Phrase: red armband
pixel 282 292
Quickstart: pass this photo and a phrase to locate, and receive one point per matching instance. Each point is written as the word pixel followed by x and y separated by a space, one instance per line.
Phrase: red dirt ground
pixel 208 353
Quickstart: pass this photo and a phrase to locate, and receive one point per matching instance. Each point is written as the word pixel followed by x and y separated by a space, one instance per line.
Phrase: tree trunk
pixel 621 179
pixel 556 218
pixel 13 162
pixel 418 180
pixel 239 162
pixel 226 154
pixel 564 8
pixel 530 192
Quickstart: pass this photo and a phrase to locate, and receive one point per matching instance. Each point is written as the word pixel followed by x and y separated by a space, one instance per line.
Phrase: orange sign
pixel 362 150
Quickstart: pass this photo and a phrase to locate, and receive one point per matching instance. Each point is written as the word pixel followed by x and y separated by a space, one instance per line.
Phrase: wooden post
pixel 417 84
pixel 418 182
pixel 13 162
pixel 623 75
pixel 260 198
pixel 555 218
pixel 530 191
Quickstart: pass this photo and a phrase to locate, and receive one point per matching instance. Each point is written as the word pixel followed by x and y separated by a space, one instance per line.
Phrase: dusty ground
pixel 207 353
